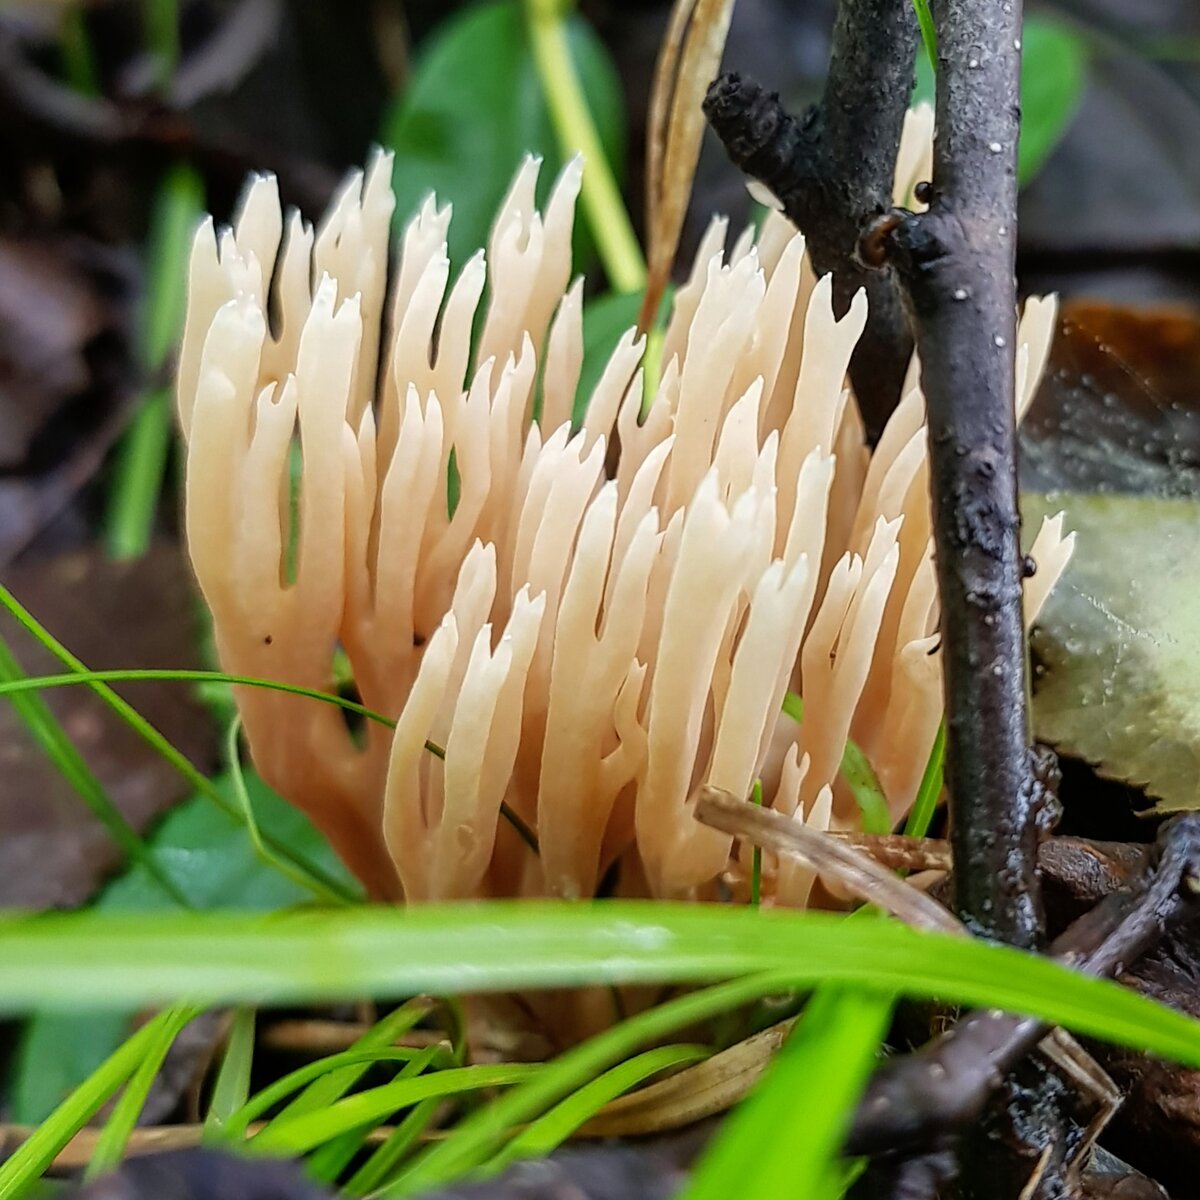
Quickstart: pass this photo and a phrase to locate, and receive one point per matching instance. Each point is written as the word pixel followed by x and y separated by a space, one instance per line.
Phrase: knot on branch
pixel 913 243
pixel 1177 849
pixel 759 135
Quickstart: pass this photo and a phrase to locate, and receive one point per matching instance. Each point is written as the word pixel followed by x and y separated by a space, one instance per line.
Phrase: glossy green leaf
pixel 474 107
pixel 1053 77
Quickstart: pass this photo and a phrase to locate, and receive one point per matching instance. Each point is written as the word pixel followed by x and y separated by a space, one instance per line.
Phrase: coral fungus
pixel 592 608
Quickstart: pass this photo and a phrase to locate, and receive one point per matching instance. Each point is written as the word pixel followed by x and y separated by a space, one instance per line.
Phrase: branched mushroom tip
pixel 590 637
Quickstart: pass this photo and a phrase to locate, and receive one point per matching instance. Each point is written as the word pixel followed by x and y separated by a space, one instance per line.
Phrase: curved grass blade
pixel 30 1160
pixel 45 729
pixel 301 1134
pixel 806 1100
pixel 160 744
pixel 233 761
pixel 110 1147
pixel 549 1131
pixel 37 683
pixel 238 1123
pixel 327 1163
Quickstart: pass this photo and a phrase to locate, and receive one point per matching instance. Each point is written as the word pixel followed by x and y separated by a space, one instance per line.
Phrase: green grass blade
pixel 232 1087
pixel 45 729
pixel 855 768
pixel 930 791
pixel 376 1171
pixel 238 1122
pixel 373 1106
pixel 125 960
pixel 478 1137
pixel 110 1146
pixel 38 683
pixel 384 1033
pixel 327 1163
pixel 30 1160
pixel 928 31
pixel 322 881
pixel 806 1100
pixel 264 852
pixel 548 1132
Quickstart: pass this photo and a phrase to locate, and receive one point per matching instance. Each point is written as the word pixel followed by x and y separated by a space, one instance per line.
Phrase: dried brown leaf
pixel 687 63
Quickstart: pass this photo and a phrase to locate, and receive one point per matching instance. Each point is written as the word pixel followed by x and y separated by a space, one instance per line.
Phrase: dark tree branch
pixel 955 265
pixel 915 1101
pixel 833 171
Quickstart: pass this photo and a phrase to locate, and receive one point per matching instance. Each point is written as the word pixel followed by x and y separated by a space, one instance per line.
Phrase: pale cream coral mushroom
pixel 589 635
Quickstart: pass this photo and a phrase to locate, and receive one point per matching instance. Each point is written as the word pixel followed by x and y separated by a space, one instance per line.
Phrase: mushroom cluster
pixel 591 606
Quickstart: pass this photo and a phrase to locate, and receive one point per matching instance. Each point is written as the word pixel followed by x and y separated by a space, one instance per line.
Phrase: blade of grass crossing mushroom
pixel 233 761
pixel 687 63
pixel 608 220
pixel 833 1046
pixel 858 773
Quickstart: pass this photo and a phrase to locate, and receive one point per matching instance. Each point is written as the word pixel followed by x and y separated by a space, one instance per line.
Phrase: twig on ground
pixel 914 1101
pixel 955 264
pixel 832 172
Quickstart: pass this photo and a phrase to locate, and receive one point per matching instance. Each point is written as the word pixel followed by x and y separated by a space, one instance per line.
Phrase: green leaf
pixel 128 959
pixel 210 860
pixel 806 1100
pixel 1053 77
pixel 474 107
pixel 1117 646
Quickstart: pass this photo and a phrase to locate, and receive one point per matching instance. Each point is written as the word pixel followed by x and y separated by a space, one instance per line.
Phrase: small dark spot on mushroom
pixel 267 640
pixel 419 639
